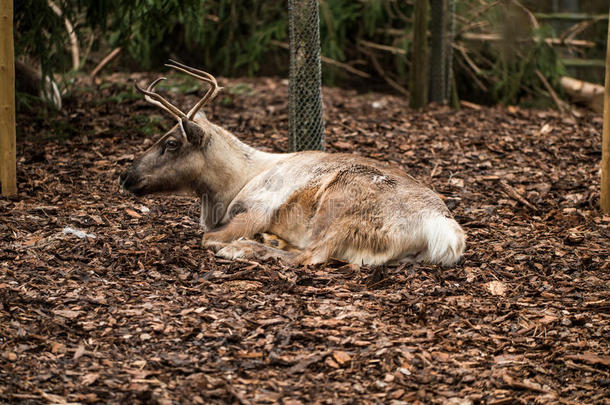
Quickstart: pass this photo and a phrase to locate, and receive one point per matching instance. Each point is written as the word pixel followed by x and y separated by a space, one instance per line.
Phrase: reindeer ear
pixel 200 116
pixel 193 132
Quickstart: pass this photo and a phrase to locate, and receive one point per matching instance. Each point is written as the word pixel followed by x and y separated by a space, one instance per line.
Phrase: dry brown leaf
pixel 456 182
pixel 10 356
pixel 250 355
pixel 31 241
pixel 546 129
pixel 331 363
pixel 548 319
pixel 341 357
pixel 57 347
pixel 591 358
pixel 496 287
pixel 525 384
pixel 79 352
pixel 67 313
pixel 89 379
pixel 242 285
pixel 132 213
pixel 504 359
pixel 440 356
pixel 343 145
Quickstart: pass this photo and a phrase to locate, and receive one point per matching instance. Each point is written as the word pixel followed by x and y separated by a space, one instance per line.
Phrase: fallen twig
pixel 476 13
pixel 531 15
pixel 576 29
pixel 561 105
pixel 471 36
pixel 512 193
pixel 576 366
pixel 473 67
pixel 384 75
pixel 468 104
pixel 392 49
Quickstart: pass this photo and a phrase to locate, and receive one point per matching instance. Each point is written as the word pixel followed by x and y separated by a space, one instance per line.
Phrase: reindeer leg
pixel 313 255
pixel 249 249
pixel 243 225
pixel 206 218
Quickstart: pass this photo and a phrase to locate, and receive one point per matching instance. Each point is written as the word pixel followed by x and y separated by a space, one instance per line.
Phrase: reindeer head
pixel 174 162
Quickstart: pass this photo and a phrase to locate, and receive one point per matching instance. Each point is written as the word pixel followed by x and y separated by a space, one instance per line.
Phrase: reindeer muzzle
pixel 129 182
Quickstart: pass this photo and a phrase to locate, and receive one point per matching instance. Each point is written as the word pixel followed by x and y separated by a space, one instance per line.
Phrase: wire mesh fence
pixel 305 111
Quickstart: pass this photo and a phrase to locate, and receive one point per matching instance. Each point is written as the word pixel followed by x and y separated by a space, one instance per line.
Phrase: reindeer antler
pixel 159 101
pixel 199 75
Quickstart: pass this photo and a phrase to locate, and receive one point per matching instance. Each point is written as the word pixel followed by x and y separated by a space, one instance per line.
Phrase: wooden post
pixel 8 148
pixel 605 187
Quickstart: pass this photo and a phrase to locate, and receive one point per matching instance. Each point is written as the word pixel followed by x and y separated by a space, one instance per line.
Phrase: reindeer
pixel 326 205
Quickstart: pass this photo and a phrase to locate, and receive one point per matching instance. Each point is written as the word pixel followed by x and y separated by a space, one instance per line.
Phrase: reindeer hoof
pixel 212 244
pixel 234 251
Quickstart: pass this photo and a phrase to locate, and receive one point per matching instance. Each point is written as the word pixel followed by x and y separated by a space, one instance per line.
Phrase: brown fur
pixel 244 225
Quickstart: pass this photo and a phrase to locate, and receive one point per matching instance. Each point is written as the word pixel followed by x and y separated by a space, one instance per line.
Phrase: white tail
pixel 445 240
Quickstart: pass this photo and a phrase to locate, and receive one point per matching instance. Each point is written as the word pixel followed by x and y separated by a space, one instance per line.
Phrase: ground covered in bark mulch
pixel 105 297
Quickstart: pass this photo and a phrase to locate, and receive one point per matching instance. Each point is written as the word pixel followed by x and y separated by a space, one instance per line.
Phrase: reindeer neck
pixel 231 164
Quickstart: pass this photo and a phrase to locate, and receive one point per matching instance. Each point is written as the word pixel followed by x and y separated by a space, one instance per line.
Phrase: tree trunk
pixel 438 51
pixel 419 56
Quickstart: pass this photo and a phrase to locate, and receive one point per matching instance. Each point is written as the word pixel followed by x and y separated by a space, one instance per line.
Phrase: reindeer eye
pixel 171 144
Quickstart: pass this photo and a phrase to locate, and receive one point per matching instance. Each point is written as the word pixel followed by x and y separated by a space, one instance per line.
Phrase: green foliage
pixel 344 23
pixel 129 94
pixel 517 71
pixel 222 34
pixel 231 37
pixel 148 125
pixel 509 65
pixel 227 35
pixel 240 89
pixel 40 32
pixel 27 102
pixel 337 20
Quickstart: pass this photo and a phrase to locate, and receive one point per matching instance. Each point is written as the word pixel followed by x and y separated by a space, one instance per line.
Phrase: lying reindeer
pixel 327 205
